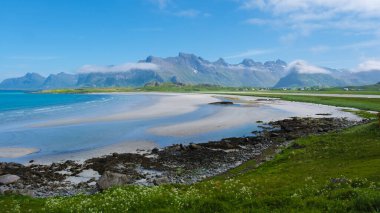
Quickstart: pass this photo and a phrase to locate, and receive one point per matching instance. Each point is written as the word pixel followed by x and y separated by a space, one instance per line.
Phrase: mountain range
pixel 192 69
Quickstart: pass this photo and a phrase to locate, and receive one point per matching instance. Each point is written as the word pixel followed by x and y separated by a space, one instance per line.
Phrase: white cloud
pixel 259 21
pixel 188 13
pixel 304 67
pixel 352 46
pixel 369 65
pixel 362 44
pixel 249 4
pixel 249 53
pixel 364 8
pixel 162 4
pixel 306 16
pixel 320 49
pixel 118 68
pixel 34 58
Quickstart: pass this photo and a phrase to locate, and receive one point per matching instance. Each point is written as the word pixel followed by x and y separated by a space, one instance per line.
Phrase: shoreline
pixel 243 112
pixel 15 152
pixel 183 104
pixel 173 164
pixel 135 147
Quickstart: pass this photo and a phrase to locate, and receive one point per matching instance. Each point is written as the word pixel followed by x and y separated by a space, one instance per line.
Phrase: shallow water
pixel 21 126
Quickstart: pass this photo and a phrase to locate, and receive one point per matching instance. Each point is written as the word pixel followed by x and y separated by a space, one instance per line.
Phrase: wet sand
pixel 169 104
pixel 250 110
pixel 16 152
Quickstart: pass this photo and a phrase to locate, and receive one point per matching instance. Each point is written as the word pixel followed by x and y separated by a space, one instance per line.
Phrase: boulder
pixel 222 103
pixel 155 150
pixel 24 192
pixel 8 179
pixel 161 180
pixel 194 146
pixel 110 179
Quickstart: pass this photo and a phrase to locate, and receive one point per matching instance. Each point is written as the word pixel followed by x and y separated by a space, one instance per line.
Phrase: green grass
pixel 336 172
pixel 352 102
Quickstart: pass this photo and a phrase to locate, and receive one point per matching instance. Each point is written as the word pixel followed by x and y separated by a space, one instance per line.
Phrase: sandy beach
pixel 169 104
pixel 16 152
pixel 249 111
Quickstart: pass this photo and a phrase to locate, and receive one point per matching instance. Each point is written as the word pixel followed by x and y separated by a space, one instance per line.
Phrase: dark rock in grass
pixel 8 179
pixel 24 192
pixel 223 103
pixel 110 179
pixel 323 114
pixel 297 146
pixel 339 180
pixel 161 180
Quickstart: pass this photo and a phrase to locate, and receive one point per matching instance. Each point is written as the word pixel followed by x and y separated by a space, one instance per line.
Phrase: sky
pixel 52 36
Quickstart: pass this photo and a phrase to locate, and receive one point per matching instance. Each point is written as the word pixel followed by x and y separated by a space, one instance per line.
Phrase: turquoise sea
pixel 65 126
pixel 18 100
pixel 21 113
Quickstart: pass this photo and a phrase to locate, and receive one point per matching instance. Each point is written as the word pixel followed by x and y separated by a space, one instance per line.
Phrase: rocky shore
pixel 174 164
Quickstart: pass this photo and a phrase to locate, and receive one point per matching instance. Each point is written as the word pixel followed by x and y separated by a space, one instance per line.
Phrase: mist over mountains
pixel 192 69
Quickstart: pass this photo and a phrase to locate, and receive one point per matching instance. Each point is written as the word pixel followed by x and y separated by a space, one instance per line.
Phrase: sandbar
pixel 169 104
pixel 16 152
pixel 250 110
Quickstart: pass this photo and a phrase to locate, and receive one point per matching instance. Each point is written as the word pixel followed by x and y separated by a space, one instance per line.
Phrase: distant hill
pixel 191 69
pixel 373 87
pixel 29 81
pixel 295 79
pixel 134 78
pixel 60 80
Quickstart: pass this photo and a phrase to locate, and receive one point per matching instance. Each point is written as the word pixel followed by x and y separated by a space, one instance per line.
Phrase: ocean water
pixel 16 100
pixel 28 121
pixel 21 113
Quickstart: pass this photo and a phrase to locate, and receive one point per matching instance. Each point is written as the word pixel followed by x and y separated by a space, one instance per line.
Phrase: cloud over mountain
pixel 304 67
pixel 118 68
pixel 366 66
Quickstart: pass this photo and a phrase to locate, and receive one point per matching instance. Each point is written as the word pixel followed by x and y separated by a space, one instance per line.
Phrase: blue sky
pixel 51 36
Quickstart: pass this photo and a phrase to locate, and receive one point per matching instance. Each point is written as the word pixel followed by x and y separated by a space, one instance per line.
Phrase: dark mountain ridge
pixel 191 69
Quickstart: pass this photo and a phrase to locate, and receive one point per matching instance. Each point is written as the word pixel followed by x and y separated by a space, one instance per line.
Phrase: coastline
pixel 136 147
pixel 179 163
pixel 145 163
pixel 168 118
